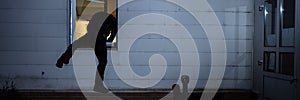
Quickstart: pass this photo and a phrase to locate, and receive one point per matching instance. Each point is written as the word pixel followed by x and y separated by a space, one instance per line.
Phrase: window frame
pixel 72 16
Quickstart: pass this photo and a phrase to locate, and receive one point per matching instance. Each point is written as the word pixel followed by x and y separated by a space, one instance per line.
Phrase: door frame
pixel 257 54
pixel 297 47
pixel 258 39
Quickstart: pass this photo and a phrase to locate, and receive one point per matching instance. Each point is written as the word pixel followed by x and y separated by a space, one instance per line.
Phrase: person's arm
pixel 113 28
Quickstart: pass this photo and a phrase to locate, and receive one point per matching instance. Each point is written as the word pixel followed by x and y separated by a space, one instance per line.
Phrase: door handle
pixel 260 62
pixel 261 7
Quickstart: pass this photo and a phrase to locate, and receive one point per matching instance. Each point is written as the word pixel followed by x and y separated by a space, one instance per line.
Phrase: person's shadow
pixel 99 28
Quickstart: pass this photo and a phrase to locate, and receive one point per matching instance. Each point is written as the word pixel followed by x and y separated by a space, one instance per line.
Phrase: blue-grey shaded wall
pixel 35 32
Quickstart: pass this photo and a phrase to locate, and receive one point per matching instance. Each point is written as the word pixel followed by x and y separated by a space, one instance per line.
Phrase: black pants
pixel 101 54
pixel 100 51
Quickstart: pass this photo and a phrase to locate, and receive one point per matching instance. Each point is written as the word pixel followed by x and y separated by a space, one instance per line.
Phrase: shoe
pixel 59 64
pixel 61 61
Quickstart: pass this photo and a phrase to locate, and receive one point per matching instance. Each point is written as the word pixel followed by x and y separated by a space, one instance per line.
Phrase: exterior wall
pixel 34 34
pixel 236 17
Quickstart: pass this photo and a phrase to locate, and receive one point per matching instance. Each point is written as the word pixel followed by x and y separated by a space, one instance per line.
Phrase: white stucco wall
pixel 34 34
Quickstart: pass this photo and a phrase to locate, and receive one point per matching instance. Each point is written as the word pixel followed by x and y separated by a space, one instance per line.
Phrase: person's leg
pixel 99 84
pixel 102 60
pixel 101 54
pixel 83 42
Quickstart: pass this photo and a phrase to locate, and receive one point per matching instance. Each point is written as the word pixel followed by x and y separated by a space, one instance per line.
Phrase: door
pixel 275 49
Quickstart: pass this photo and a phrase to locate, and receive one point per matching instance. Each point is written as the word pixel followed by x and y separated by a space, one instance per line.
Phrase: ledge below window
pixel 111 44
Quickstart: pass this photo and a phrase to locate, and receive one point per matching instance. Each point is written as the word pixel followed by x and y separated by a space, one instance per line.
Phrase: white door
pixel 276 53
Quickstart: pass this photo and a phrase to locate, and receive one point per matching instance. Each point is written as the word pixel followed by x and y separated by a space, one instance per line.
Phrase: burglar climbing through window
pixel 99 28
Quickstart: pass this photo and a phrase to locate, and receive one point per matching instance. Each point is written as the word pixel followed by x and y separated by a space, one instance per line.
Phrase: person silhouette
pixel 99 28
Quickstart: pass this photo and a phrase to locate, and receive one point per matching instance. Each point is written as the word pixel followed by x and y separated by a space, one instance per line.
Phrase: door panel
pixel 288 23
pixel 286 63
pixel 278 51
pixel 278 89
pixel 270 61
pixel 270 23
